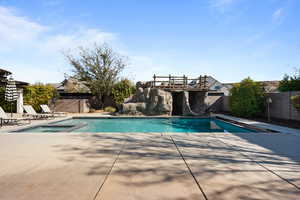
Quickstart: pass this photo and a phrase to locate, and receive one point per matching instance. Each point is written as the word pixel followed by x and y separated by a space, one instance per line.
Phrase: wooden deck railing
pixel 179 82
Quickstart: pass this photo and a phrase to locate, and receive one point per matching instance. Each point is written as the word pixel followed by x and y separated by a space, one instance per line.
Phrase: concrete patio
pixel 149 166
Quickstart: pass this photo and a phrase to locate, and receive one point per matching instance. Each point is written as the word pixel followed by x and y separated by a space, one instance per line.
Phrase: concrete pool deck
pixel 262 125
pixel 149 166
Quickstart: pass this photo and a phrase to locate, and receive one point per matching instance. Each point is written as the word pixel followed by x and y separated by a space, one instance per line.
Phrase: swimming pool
pixel 143 125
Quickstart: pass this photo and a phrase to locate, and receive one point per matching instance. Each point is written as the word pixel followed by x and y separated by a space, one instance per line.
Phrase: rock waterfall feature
pixel 169 99
pixel 148 101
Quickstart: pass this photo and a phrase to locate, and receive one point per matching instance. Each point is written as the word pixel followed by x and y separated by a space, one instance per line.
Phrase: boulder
pixel 140 95
pixel 149 101
pixel 139 84
pixel 198 108
pixel 186 109
pixel 133 108
pixel 159 102
pixel 143 85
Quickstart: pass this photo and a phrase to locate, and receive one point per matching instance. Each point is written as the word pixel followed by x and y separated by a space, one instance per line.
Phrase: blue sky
pixel 228 39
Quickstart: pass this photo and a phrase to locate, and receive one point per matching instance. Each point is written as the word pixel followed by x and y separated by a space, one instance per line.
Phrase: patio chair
pixel 47 110
pixel 9 120
pixel 32 113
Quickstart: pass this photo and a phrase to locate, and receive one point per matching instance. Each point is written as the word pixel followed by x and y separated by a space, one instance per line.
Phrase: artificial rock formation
pixel 149 101
pixel 196 102
pixel 186 109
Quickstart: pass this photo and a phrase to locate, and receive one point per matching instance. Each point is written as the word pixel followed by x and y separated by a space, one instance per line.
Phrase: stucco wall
pixel 71 105
pixel 225 104
pixel 214 103
pixel 281 106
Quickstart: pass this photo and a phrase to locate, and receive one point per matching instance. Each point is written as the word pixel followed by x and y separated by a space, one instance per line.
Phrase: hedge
pixel 247 99
pixel 296 101
pixel 38 94
pixel 122 90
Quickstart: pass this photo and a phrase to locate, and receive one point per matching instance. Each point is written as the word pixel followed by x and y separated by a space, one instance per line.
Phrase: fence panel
pixel 281 106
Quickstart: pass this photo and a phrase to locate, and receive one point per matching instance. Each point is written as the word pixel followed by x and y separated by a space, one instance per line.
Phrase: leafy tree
pixel 38 94
pixel 290 83
pixel 99 68
pixel 247 98
pixel 122 90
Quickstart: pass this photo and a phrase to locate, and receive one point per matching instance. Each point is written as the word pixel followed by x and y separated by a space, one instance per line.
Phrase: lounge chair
pixel 47 110
pixel 32 113
pixel 9 120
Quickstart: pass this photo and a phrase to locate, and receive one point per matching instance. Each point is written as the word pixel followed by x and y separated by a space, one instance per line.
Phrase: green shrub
pixel 110 109
pixel 290 83
pixel 38 94
pixel 247 99
pixel 122 90
pixel 296 101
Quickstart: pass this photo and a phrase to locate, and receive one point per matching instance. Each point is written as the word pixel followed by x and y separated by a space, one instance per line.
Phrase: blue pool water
pixel 186 125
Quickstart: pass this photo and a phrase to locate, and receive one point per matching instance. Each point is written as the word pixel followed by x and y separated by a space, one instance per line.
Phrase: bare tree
pixel 99 68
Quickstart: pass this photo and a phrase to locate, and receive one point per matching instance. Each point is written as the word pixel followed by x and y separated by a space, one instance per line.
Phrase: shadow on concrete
pixel 278 144
pixel 215 162
pixel 150 160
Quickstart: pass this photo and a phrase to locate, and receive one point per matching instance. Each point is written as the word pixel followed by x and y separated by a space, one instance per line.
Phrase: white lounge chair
pixel 32 113
pixel 9 120
pixel 47 110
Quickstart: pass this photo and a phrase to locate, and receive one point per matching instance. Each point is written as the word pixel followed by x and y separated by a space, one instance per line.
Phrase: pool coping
pixel 245 126
pixel 261 125
pixel 29 126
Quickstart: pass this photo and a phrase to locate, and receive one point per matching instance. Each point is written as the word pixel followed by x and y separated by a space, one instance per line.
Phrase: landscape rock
pixel 149 101
pixel 143 85
pixel 186 109
pixel 133 108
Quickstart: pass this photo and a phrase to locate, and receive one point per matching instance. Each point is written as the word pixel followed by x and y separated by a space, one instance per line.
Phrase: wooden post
pixel 200 81
pixel 186 81
pixel 173 83
pixel 169 85
pixel 154 79
pixel 205 82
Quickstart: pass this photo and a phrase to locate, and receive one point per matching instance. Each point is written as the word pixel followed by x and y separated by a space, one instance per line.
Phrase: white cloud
pixel 33 52
pixel 27 46
pixel 278 16
pixel 221 5
pixel 80 37
pixel 16 30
